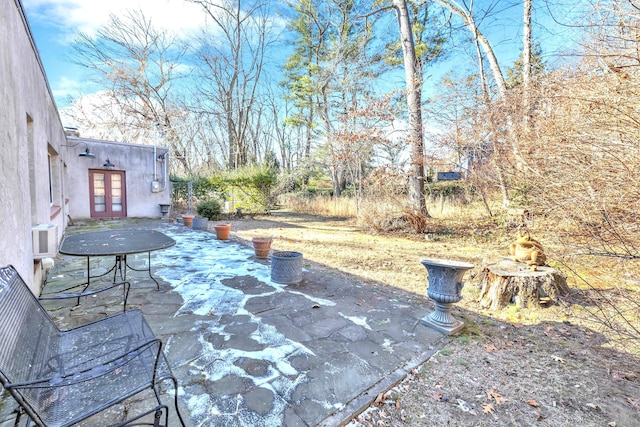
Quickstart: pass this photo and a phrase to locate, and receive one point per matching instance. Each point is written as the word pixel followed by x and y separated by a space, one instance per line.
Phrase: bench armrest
pixel 84 293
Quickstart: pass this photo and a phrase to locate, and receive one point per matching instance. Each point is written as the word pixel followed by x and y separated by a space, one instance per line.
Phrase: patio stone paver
pixel 250 352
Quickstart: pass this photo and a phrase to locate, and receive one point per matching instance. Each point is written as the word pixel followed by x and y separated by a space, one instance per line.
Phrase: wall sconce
pixel 85 153
pixel 108 164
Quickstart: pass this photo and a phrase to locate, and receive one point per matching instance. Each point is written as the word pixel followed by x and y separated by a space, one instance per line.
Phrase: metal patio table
pixel 118 243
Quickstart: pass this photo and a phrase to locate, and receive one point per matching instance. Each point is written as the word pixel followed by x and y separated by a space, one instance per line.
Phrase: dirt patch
pixel 509 374
pixel 512 367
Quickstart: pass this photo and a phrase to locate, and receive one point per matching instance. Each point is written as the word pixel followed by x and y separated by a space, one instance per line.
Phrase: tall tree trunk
pixel 414 92
pixel 526 65
pixel 483 77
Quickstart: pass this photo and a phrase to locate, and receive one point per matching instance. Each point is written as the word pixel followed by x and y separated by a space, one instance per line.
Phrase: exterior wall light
pixel 85 153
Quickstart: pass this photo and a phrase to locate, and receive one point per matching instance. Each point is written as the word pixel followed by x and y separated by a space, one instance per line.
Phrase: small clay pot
pixel 188 220
pixel 262 246
pixel 222 231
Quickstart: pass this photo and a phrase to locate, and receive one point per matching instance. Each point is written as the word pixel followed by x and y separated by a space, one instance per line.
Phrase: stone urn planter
pixel 262 246
pixel 222 231
pixel 286 267
pixel 188 220
pixel 445 286
pixel 200 223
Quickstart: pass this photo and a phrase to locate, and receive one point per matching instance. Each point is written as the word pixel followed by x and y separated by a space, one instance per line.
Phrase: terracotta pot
pixel 188 220
pixel 222 231
pixel 262 246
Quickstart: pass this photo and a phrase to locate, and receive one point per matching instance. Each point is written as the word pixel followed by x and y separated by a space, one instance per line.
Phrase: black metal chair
pixel 60 378
pixel 68 293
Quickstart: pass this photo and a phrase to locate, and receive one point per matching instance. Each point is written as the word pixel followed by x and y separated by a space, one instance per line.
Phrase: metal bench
pixel 69 293
pixel 60 378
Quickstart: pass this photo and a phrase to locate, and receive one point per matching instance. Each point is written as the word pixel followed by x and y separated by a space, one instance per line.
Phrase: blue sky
pixel 54 24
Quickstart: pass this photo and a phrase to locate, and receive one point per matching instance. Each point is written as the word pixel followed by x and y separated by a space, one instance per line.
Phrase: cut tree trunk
pixel 508 282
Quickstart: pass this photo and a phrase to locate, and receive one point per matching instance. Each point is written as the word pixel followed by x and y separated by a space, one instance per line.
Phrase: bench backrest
pixel 28 335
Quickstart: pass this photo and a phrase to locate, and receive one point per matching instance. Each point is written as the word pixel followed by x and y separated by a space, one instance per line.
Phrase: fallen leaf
pixel 533 403
pixel 634 403
pixel 397 404
pixel 593 406
pixel 497 397
pixel 565 332
pixel 558 359
pixel 618 374
pixel 379 399
pixel 487 408
pixel 490 348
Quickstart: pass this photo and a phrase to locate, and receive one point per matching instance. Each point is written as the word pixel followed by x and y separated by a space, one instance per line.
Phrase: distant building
pixel 448 176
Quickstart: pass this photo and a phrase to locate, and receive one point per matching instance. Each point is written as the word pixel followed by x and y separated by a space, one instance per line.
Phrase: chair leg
pixel 18 412
pixel 175 401
pixel 158 417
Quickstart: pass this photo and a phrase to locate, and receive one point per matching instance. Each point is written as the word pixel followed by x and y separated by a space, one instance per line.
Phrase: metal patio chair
pixel 68 292
pixel 60 378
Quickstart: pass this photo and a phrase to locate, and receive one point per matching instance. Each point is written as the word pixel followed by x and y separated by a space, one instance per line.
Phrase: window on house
pixel 55 182
pixel 50 182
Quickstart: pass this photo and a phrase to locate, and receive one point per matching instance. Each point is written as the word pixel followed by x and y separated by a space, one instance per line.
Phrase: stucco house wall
pixel 42 179
pixel 142 166
pixel 30 135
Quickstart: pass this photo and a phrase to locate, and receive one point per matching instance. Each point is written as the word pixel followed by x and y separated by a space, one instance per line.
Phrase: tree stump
pixel 509 282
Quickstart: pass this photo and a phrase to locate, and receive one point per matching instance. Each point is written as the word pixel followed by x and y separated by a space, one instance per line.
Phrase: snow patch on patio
pixel 358 320
pixel 195 268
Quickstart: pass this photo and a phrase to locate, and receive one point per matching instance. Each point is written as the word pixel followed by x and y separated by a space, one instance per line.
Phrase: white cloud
pixel 72 16
pixel 65 87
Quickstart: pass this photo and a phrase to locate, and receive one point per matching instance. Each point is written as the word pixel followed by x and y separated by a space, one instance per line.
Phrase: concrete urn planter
pixel 445 286
pixel 262 246
pixel 286 267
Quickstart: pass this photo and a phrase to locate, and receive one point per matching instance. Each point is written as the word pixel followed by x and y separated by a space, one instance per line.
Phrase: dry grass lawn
pixel 548 366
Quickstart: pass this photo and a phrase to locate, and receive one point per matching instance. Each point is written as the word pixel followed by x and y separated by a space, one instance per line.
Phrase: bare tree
pixel 232 58
pixel 138 65
pixel 584 159
pixel 501 113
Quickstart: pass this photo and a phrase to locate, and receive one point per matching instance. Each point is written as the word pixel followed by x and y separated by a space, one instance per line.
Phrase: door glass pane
pixel 99 199
pixel 116 193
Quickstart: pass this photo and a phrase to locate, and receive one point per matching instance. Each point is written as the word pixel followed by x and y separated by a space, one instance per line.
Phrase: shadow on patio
pixel 251 352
